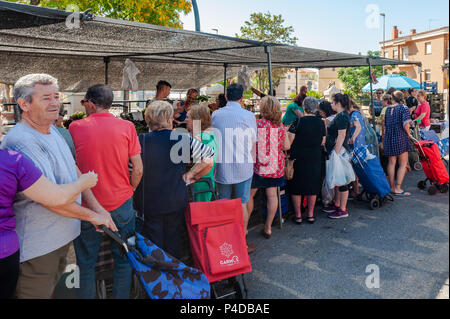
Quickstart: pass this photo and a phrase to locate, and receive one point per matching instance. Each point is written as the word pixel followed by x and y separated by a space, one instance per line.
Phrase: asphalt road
pixel 407 241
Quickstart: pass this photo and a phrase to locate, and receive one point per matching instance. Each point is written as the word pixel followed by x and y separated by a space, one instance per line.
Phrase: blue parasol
pixel 396 81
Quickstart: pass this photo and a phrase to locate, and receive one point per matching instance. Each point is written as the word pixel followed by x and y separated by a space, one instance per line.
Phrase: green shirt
pixel 209 140
pixel 289 117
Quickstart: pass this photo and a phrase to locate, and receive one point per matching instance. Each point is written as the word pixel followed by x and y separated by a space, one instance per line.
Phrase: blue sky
pixel 342 26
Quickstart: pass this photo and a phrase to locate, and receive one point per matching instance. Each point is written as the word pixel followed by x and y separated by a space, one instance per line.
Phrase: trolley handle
pixel 209 190
pixel 115 236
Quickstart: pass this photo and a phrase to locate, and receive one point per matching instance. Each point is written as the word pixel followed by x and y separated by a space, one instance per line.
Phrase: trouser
pixel 39 276
pixel 165 231
pixel 87 247
pixel 9 273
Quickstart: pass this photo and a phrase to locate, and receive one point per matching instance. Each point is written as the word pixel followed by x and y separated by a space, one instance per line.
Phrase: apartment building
pixel 429 47
pixel 329 77
pixel 306 77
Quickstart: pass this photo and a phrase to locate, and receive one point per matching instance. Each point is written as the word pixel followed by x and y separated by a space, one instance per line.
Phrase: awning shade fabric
pixel 38 40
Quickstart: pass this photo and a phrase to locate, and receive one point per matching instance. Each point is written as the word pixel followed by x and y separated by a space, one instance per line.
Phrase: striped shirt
pixel 235 129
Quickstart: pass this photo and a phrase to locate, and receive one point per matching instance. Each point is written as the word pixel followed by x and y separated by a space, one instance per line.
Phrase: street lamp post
pixel 384 37
pixel 196 15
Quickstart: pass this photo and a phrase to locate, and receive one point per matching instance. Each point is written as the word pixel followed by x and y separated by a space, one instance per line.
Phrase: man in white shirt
pixel 234 168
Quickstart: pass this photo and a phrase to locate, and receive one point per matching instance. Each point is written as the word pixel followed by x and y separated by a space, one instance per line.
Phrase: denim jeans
pixel 240 190
pixel 87 247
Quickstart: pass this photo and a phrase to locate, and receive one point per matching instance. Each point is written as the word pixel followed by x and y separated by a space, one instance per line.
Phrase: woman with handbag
pixel 270 159
pixel 306 149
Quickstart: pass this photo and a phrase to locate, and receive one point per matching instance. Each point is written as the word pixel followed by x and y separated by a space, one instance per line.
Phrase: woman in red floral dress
pixel 269 164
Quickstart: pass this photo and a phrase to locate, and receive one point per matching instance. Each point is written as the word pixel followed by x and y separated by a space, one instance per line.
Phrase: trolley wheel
pixel 422 185
pixel 432 190
pixel 418 166
pixel 374 204
pixel 241 287
pixel 443 188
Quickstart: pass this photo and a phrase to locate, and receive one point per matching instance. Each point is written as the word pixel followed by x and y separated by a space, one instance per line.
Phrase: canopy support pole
pixel 371 107
pixel 296 81
pixel 225 78
pixel 268 50
pixel 196 15
pixel 106 60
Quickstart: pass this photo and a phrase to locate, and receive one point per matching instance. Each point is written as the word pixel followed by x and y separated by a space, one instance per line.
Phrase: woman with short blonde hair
pixel 158 115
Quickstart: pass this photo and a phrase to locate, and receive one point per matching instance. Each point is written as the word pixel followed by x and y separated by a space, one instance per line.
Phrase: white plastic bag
pixel 327 194
pixel 244 78
pixel 129 80
pixel 339 170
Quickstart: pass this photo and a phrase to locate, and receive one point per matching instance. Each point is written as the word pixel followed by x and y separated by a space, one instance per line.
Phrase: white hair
pixel 24 87
pixel 159 115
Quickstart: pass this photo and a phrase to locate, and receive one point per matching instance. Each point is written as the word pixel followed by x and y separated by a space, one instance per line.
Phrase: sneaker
pixel 339 213
pixel 330 209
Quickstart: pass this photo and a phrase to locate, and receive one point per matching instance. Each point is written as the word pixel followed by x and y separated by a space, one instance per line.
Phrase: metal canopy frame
pixel 326 59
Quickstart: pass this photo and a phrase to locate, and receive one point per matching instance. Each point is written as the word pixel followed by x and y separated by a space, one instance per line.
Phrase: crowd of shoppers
pixel 45 181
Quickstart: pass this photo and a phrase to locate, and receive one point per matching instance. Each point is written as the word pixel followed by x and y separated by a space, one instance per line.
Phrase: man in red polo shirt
pixel 106 145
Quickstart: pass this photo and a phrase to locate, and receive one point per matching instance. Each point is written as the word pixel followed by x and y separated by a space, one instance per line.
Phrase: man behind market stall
pixel 44 237
pixel 162 92
pixel 106 144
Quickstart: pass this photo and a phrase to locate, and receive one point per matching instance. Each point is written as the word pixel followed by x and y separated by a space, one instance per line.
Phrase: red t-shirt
pixel 104 144
pixel 269 153
pixel 423 108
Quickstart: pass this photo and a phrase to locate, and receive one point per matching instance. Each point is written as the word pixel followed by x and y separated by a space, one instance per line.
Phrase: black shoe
pixel 311 220
pixel 297 220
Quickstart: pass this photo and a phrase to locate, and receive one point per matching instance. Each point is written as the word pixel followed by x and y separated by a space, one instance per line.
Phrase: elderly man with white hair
pixel 44 237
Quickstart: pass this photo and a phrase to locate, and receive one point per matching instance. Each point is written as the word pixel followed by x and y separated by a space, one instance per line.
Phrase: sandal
pixel 402 194
pixel 264 234
pixel 311 220
pixel 297 220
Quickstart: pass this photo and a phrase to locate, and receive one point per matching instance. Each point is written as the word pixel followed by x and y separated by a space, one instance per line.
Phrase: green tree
pixel 159 12
pixel 266 27
pixel 355 79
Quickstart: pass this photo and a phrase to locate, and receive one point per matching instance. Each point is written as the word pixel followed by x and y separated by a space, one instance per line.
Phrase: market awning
pixel 38 40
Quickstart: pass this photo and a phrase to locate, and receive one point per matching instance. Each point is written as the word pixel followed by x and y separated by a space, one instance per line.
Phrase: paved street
pixel 407 240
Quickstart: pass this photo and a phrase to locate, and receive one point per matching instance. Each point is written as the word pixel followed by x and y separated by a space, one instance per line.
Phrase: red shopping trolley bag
pixel 432 163
pixel 216 232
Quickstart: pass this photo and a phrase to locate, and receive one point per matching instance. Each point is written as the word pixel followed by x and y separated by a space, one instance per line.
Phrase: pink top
pixel 269 153
pixel 423 108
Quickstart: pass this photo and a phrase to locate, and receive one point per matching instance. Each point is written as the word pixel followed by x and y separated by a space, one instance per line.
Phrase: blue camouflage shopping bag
pixel 164 277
